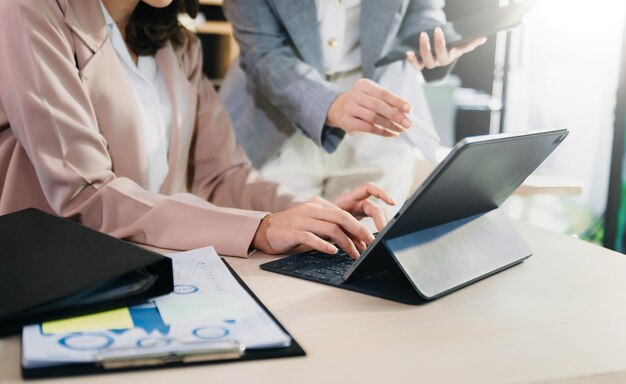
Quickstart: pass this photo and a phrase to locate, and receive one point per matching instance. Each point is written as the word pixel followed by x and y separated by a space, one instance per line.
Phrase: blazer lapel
pixel 112 98
pixel 117 113
pixel 183 102
pixel 377 20
pixel 300 19
pixel 86 21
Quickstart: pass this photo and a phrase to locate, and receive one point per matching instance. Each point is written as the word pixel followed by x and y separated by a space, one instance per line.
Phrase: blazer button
pixel 333 42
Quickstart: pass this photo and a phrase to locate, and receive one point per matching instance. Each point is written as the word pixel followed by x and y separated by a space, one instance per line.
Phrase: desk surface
pixel 558 317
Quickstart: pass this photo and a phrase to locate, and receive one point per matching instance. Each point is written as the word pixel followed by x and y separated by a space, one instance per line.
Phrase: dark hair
pixel 150 28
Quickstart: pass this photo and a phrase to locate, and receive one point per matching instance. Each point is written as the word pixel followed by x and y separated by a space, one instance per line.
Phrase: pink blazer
pixel 70 137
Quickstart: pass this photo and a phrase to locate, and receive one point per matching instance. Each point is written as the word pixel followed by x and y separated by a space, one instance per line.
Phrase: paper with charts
pixel 207 306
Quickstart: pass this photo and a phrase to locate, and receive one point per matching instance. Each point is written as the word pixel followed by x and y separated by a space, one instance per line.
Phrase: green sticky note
pixel 198 308
pixel 114 319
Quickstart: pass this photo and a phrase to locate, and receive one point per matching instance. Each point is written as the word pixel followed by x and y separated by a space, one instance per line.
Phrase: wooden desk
pixel 560 316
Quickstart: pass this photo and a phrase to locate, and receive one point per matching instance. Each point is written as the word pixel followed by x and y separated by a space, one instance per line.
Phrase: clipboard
pixel 53 268
pixel 293 350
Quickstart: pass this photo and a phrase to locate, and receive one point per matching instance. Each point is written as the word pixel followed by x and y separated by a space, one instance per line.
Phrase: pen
pixel 427 129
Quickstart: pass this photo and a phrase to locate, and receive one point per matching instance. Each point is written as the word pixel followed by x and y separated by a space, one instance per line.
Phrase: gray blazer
pixel 278 82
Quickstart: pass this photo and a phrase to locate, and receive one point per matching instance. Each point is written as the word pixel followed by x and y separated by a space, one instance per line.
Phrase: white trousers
pixel 309 171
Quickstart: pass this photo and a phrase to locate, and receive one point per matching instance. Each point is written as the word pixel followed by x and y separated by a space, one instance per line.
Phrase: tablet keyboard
pixel 313 265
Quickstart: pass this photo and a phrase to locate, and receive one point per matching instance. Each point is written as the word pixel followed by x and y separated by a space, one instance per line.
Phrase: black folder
pixel 293 350
pixel 54 268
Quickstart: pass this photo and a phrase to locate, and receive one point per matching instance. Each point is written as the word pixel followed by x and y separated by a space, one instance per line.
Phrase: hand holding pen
pixel 367 107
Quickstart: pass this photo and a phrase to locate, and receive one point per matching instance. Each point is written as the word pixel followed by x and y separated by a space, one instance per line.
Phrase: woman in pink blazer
pixel 71 141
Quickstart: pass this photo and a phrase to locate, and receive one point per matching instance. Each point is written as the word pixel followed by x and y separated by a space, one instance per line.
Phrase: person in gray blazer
pixel 306 77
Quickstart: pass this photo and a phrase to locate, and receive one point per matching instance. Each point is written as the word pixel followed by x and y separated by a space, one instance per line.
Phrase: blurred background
pixel 564 67
pixel 560 69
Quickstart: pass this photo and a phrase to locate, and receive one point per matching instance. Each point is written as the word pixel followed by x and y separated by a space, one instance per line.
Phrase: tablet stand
pixel 441 259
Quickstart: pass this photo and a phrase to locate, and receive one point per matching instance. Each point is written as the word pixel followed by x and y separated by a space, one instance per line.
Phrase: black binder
pixel 53 268
pixel 293 350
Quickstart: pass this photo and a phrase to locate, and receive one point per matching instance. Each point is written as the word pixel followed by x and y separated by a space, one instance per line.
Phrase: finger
pixel 356 125
pixel 360 245
pixel 336 234
pixel 384 132
pixel 371 88
pixel 426 52
pixel 376 213
pixel 312 241
pixel 385 110
pixel 381 122
pixel 412 59
pixel 366 190
pixel 440 47
pixel 471 45
pixel 338 216
pixel 365 120
pixel 454 53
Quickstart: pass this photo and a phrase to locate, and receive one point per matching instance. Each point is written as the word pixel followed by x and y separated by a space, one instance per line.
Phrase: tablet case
pixel 54 268
pixel 451 232
pixel 293 350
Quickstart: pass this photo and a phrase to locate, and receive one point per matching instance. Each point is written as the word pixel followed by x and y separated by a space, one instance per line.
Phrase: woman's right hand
pixel 367 107
pixel 315 223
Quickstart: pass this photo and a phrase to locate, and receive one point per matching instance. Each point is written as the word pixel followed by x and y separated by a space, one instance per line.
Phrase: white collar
pixel 108 20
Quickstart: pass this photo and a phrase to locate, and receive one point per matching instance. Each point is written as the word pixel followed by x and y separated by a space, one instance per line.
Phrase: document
pixel 208 309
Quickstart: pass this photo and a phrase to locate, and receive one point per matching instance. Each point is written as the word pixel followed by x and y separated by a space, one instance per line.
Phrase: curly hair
pixel 150 28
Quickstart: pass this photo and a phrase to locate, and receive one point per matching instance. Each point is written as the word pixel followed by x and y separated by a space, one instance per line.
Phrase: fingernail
pixel 406 108
pixel 332 250
pixel 370 237
pixel 406 123
pixel 423 35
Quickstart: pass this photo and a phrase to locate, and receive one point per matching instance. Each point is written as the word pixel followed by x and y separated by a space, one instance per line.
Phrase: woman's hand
pixel 358 204
pixel 443 56
pixel 367 107
pixel 318 223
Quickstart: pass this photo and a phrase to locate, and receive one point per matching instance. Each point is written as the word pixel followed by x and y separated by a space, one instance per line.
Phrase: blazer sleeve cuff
pixel 331 138
pixel 246 235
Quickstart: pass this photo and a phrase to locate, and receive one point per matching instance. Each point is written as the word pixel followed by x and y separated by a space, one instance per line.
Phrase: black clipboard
pixel 293 350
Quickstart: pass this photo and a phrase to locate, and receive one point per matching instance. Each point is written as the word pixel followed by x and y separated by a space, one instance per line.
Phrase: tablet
pixel 449 233
pixel 461 31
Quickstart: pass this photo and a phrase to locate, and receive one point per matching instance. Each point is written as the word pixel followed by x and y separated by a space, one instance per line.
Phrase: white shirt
pixel 153 101
pixel 339 29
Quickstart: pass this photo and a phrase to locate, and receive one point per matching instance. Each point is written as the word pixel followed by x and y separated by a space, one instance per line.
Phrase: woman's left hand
pixel 358 204
pixel 442 56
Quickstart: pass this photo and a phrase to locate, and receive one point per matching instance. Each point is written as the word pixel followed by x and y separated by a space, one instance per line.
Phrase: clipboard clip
pixel 200 352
